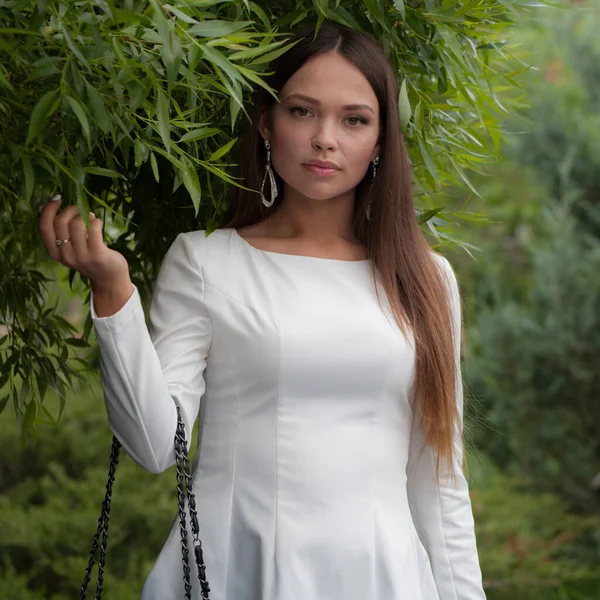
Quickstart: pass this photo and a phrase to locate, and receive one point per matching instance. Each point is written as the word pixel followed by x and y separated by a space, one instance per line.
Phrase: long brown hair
pixel 393 239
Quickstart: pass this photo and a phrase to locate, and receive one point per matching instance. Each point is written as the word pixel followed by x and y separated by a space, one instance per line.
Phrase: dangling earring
pixel 374 165
pixel 269 172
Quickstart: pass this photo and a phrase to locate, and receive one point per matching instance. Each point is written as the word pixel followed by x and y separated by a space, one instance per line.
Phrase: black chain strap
pixel 184 489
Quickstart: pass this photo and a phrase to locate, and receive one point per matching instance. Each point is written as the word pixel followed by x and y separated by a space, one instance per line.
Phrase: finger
pixel 46 226
pixel 95 235
pixel 78 237
pixel 61 228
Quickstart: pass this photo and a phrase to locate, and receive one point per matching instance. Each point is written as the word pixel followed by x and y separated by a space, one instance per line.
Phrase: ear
pixel 376 152
pixel 264 124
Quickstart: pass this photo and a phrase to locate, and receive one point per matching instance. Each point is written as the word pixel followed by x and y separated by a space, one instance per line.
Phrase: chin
pixel 321 190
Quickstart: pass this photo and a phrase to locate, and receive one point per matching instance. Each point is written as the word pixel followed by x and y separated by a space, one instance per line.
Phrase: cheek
pixel 361 153
pixel 288 139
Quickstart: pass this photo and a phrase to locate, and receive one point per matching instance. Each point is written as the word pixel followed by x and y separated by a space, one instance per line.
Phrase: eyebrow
pixel 315 101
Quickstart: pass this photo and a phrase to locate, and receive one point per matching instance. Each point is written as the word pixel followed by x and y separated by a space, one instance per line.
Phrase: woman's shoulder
pixel 212 252
pixel 448 275
pixel 203 242
pixel 443 264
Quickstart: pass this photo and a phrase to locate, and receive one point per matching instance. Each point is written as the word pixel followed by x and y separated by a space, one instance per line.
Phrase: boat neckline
pixel 300 256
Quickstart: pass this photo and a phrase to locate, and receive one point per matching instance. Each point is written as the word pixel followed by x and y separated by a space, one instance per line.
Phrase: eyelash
pixel 361 120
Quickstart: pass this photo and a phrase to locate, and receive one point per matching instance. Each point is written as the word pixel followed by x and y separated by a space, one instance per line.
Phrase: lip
pixel 321 168
pixel 324 164
pixel 321 171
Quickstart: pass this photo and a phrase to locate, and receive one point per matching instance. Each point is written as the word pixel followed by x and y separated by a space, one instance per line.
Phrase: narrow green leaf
pixel 425 215
pixel 256 51
pixel 73 46
pixel 463 176
pixel 418 116
pixel 429 162
pixel 180 14
pixel 449 36
pixel 172 57
pixel 399 4
pixel 211 226
pixel 404 106
pixel 42 111
pixel 4 402
pixel 62 402
pixel 7 30
pixel 260 13
pixel 98 108
pixel 162 113
pixel 220 62
pixel 222 150
pixel 344 17
pixel 199 134
pixel 28 420
pixel 78 342
pixel 29 178
pixel 5 83
pixel 190 179
pixel 216 28
pixel 81 116
pixel 51 420
pixel 154 166
pixel 103 172
pixel 266 58
pixel 322 7
pixel 141 152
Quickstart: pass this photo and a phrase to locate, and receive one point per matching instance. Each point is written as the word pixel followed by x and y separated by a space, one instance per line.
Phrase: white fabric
pixel 312 478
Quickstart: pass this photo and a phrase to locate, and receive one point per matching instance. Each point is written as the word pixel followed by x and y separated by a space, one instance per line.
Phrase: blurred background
pixel 530 282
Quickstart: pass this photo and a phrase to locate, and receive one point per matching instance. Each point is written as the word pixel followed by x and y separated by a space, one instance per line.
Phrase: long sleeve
pixel 147 371
pixel 443 517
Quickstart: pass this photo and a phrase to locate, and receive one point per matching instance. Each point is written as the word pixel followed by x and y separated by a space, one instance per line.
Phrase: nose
pixel 324 138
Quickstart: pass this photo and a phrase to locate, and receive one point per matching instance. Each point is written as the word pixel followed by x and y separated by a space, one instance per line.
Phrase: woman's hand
pixel 86 252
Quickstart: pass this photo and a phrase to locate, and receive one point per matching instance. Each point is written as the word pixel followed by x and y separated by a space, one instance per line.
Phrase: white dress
pixel 312 478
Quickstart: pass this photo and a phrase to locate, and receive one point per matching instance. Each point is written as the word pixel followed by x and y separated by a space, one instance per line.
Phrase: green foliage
pixel 531 546
pixel 131 109
pixel 50 499
pixel 563 120
pixel 534 360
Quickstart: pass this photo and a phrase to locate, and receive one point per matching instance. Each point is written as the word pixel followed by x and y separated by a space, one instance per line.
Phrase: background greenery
pixel 527 258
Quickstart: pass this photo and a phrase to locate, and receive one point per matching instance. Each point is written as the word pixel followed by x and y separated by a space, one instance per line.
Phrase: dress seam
pixel 446 544
pixel 277 422
pixel 375 422
pixel 207 285
pixel 233 480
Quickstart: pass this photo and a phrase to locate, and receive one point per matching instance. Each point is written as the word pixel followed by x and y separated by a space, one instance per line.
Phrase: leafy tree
pixel 562 122
pixel 534 362
pixel 532 299
pixel 131 109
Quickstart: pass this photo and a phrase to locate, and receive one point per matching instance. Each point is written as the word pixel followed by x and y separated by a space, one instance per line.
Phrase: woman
pixel 330 446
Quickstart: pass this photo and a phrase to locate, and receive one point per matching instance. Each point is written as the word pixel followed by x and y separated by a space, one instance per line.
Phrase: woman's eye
pixel 299 110
pixel 354 121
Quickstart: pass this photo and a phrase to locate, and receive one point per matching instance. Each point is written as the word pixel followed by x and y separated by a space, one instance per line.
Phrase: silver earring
pixel 269 173
pixel 374 165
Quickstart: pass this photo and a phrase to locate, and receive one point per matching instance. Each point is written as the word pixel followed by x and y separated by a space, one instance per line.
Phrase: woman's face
pixel 327 112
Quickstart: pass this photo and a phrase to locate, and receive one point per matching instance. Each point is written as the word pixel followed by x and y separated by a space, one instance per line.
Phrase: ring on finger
pixel 61 242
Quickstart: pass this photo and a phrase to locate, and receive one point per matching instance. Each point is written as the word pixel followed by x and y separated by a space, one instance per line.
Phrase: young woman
pixel 329 464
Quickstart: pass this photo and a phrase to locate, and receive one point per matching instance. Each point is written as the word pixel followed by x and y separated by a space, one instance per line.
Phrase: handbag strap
pixel 184 487
pixel 184 490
